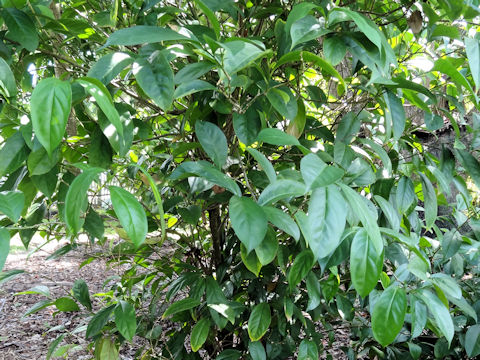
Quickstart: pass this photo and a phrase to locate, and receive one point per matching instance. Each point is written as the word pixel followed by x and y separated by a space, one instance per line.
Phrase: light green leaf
pixel 365 263
pixel 66 304
pixel 267 250
pixel 445 66
pixel 472 341
pixel 300 268
pixel 316 173
pixel 104 100
pixel 388 315
pixel 130 213
pixel 306 29
pixel 21 28
pixel 369 222
pixel 308 350
pixel 259 321
pixel 142 34
pixel 11 204
pixel 191 87
pixel 4 246
pixel 282 220
pixel 125 319
pixel 50 106
pixel 472 46
pixel 105 349
pixel 430 201
pixel 241 53
pixel 109 66
pixel 8 86
pixel 265 165
pixel 181 305
pixel 250 260
pixel 281 189
pixel 256 350
pixel 155 77
pixel 297 125
pixel 248 220
pixel 448 285
pixel 199 334
pixel 76 197
pixel 213 141
pixel 440 313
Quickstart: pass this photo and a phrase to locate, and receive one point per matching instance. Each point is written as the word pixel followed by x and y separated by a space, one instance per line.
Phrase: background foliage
pixel 274 170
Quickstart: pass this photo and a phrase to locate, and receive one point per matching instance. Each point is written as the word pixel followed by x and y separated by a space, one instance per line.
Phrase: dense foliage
pixel 273 170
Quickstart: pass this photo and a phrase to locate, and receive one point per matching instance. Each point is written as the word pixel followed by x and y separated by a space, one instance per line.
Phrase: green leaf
pixel 104 100
pixel 181 305
pixel 192 72
pixel 66 304
pixel 334 50
pixel 395 113
pixel 314 291
pixel 248 220
pixel 42 304
pixel 327 213
pixel 297 125
pixel 247 126
pixel 257 351
pixel 316 173
pixel 448 285
pixel 281 189
pixel 206 170
pixel 142 34
pixel 53 345
pixel 9 275
pixel 50 106
pixel 125 319
pixel 75 199
pixel 472 46
pixel 388 315
pixel 389 211
pixel 348 128
pixel 445 66
pixel 430 201
pixel 155 77
pixel 267 250
pixel 4 246
pixel 259 321
pixel 109 66
pixel 250 260
pixel 276 137
pixel 306 29
pixel 40 163
pixel 20 28
pixel 98 321
pixel 405 194
pixel 11 204
pixel 418 313
pixel 210 16
pixel 407 84
pixel 192 87
pixel 284 102
pixel 199 334
pixel 213 141
pixel 229 309
pixel 472 341
pixel 433 122
pixel 369 221
pixel 130 213
pixel 298 11
pixel 241 53
pixel 440 313
pixel 13 154
pixel 229 354
pixel 300 268
pixel 105 349
pixel 307 350
pixel 471 165
pixel 282 221
pixel 265 165
pixel 80 292
pixel 8 86
pixel 365 263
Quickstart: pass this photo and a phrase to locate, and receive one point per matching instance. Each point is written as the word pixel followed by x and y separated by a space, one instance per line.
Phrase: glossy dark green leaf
pixel 405 194
pixel 395 113
pixel 130 213
pixel 39 162
pixel 259 321
pixel 389 211
pixel 11 204
pixel 248 220
pixel 316 173
pixel 282 221
pixel 66 304
pixel 240 54
pixel 306 29
pixel 267 250
pixel 284 102
pixel 4 246
pixel 8 86
pixel 142 34
pixel 281 189
pixel 348 128
pixel 192 87
pixel 472 341
pixel 35 215
pixel 155 77
pixel 256 350
pixel 210 16
pixel 276 137
pixel 80 292
pixel 100 151
pixel 21 28
pixel 50 106
pixel 199 334
pixel 13 154
pixel 181 305
pixel 76 196
pixel 418 316
pixel 192 71
pixel 46 183
pixel 229 354
pixel 213 141
pixel 247 126
pixel 334 50
pixel 388 315
pixel 98 321
pixel 314 291
pixel 300 268
pixel 265 165
pixel 109 66
pixel 307 350
pixel 365 263
pixel 440 313
pixel 125 319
